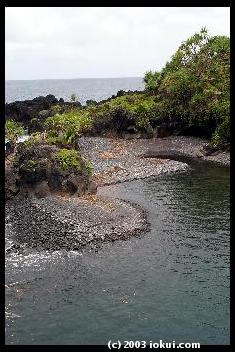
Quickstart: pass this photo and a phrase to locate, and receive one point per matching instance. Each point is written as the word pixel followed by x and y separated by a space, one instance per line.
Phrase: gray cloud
pixel 73 42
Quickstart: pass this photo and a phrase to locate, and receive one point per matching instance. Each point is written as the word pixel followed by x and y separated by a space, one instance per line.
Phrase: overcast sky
pixel 80 42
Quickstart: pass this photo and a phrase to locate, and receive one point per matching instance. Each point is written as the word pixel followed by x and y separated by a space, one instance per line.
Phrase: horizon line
pixel 57 79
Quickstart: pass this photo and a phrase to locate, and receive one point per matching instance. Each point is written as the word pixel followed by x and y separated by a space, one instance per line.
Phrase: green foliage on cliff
pixel 140 107
pixel 195 85
pixel 13 130
pixel 193 88
pixel 56 109
pixel 151 80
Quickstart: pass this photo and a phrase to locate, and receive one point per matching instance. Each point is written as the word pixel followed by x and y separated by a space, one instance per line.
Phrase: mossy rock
pixel 61 169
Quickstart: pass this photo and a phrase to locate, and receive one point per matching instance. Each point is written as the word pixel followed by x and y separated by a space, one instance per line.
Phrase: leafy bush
pixel 138 109
pixel 88 167
pixel 56 109
pixel 91 102
pixel 222 132
pixel 195 85
pixel 35 138
pixel 151 80
pixel 31 164
pixel 66 128
pixel 68 159
pixel 51 140
pixel 13 130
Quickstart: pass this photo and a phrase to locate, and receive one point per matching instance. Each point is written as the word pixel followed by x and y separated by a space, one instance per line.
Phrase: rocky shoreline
pixel 57 223
pixel 118 160
pixel 73 223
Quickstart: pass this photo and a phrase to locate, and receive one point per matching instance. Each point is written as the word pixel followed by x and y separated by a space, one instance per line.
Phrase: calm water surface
pixel 170 284
pixel 92 88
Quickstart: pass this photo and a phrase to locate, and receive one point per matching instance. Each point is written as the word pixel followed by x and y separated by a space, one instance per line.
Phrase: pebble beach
pixel 72 223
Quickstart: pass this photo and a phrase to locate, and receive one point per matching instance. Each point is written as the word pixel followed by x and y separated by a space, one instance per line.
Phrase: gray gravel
pixel 69 223
pixel 119 160
pixel 56 222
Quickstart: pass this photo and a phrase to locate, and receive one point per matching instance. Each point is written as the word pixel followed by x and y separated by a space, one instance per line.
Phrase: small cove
pixel 170 284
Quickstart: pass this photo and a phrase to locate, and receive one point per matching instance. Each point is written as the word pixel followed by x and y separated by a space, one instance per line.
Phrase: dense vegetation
pixel 195 85
pixel 65 128
pixel 13 130
pixel 192 89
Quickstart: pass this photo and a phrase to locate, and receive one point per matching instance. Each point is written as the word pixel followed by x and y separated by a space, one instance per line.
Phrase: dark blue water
pixel 171 284
pixel 96 88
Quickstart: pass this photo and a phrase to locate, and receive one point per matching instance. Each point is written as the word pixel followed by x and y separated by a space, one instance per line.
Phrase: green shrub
pixel 195 85
pixel 222 132
pixel 31 165
pixel 88 167
pixel 35 138
pixel 13 130
pixel 51 140
pixel 56 109
pixel 140 108
pixel 66 128
pixel 68 159
pixel 151 80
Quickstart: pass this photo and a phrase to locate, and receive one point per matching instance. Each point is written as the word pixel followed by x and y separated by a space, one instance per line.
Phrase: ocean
pixel 88 88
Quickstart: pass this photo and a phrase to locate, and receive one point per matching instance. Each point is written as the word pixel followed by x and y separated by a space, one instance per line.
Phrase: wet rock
pixel 43 114
pixel 194 131
pixel 77 184
pixel 121 120
pixel 55 223
pixel 9 148
pixel 11 178
pixel 167 154
pixel 42 189
pixel 32 113
pixel 148 132
pixel 115 123
pixel 132 129
pixel 36 171
pixel 91 102
pixel 120 93
pixel 208 149
pixel 14 248
pixel 167 129
pixel 92 187
pixel 24 111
